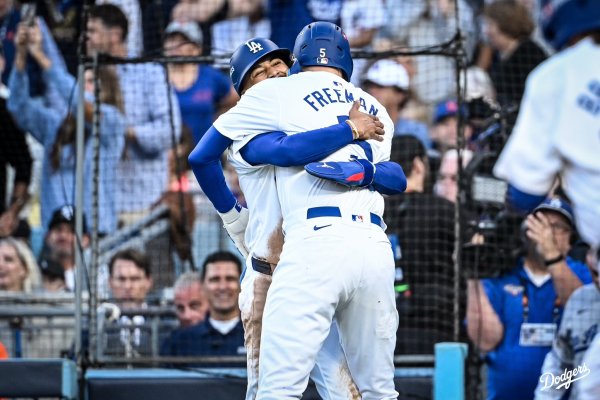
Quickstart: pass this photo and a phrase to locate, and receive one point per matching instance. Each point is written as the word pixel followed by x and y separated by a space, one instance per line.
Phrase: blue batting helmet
pixel 324 44
pixel 561 20
pixel 249 54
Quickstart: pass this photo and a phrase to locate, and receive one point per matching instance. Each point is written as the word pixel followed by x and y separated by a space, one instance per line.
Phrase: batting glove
pixel 356 173
pixel 235 222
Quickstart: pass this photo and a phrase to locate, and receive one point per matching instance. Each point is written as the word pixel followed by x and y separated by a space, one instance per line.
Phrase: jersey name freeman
pixel 318 99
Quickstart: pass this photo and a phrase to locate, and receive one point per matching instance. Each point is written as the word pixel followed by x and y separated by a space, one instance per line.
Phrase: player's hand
pixel 235 222
pixel 369 126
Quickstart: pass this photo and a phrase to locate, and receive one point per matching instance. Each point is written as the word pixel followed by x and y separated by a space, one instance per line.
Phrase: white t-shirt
pixel 301 102
pixel 558 133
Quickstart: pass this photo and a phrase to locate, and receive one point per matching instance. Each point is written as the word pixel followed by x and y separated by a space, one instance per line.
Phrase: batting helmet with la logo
pixel 249 54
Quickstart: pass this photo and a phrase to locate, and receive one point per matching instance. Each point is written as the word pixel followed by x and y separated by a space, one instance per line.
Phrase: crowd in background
pixel 150 117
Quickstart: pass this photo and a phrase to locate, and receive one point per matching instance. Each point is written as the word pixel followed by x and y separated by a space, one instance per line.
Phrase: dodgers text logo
pixel 566 378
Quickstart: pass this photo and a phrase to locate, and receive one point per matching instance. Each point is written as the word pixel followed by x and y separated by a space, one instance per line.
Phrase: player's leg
pixel 368 324
pixel 298 315
pixel 330 373
pixel 252 302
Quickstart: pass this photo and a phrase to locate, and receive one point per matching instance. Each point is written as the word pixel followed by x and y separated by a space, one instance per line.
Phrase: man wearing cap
pixel 388 82
pixel 203 92
pixel 514 317
pixel 444 131
pixel 59 244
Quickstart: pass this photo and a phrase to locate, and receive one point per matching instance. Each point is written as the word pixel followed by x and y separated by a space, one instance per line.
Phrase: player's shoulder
pixel 552 69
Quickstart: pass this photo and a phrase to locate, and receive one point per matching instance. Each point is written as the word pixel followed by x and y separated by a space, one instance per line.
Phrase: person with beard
pixel 514 317
pixel 221 333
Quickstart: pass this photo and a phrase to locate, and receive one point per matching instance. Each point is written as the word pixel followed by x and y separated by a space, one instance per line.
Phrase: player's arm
pixel 386 177
pixel 532 173
pixel 282 150
pixel 205 161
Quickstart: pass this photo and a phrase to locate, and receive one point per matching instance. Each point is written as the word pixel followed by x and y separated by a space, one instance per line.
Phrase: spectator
pixel 207 13
pixel 191 305
pixel 202 91
pixel 142 174
pixel 13 152
pixel 423 226
pixel 388 82
pixel 18 270
pixel 444 132
pixel 289 17
pixel 57 132
pixel 578 327
pixel 222 332
pixel 130 281
pixel 228 34
pixel 508 28
pixel 361 20
pixel 59 249
pixel 133 12
pixel 424 23
pixel 514 317
pixel 446 184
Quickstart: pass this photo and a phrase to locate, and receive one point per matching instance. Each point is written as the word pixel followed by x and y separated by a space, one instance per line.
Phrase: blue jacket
pixel 204 340
pixel 514 370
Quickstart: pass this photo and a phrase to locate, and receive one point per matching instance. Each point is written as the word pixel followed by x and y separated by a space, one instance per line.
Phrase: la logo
pixel 254 47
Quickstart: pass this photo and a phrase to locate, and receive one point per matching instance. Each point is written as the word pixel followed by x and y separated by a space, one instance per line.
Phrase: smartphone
pixel 28 11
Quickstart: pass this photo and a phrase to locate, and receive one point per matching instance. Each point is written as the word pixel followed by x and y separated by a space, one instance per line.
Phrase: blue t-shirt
pixel 199 102
pixel 288 17
pixel 514 370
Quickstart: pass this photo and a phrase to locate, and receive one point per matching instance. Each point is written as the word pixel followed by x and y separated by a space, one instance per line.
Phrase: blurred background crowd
pixel 450 73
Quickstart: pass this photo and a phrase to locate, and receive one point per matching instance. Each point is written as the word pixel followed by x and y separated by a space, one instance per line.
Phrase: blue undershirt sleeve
pixel 279 149
pixel 522 202
pixel 389 178
pixel 205 161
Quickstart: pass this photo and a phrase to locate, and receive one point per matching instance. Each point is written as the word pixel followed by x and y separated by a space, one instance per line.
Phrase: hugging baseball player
pixel 317 278
pixel 254 61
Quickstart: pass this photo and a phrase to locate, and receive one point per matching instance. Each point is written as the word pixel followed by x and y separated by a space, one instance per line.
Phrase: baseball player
pixel 252 62
pixel 558 128
pixel 336 260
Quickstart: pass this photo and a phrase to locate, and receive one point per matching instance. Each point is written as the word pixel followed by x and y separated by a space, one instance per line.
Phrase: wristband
pixel 355 134
pixel 554 260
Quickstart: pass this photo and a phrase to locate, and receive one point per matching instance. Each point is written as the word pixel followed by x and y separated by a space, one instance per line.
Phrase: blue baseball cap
pixel 445 109
pixel 559 206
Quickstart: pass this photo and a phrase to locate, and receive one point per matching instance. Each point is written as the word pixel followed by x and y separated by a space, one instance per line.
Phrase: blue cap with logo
pixel 557 205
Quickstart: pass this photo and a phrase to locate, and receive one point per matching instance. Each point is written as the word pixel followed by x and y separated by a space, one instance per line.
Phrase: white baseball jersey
pixel 578 327
pixel 258 184
pixel 286 105
pixel 318 277
pixel 589 388
pixel 558 132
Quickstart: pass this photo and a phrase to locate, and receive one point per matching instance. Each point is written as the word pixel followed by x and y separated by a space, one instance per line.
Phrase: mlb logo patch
pixel 358 218
pixel 323 60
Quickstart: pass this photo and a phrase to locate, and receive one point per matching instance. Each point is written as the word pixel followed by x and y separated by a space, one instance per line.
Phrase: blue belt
pixel 316 212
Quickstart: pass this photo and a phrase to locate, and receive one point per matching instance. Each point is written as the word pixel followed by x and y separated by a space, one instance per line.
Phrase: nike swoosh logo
pixel 582 311
pixel 316 228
